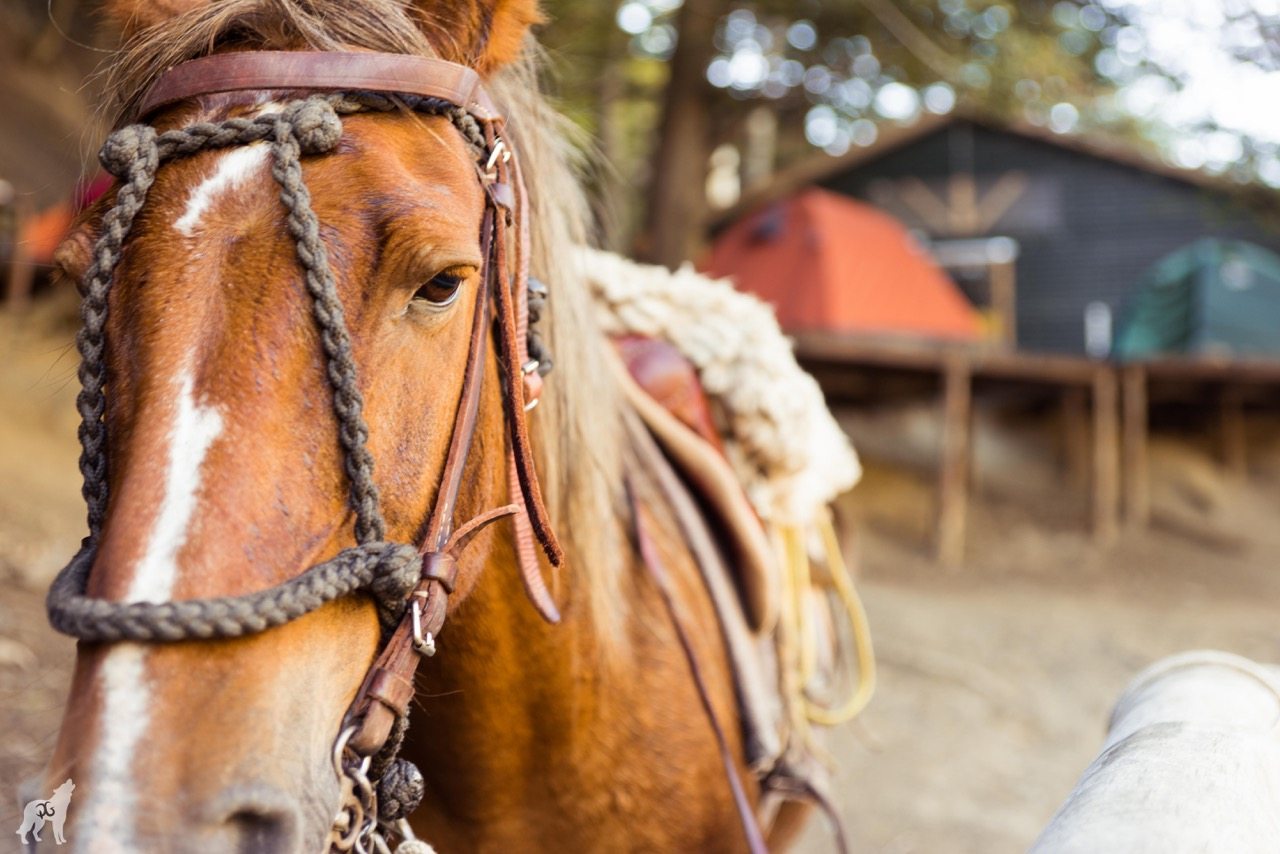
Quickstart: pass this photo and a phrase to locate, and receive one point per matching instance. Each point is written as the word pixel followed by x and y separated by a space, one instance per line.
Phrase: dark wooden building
pixel 1085 219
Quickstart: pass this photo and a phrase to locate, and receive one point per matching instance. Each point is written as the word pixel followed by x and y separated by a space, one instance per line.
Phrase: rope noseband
pixel 409 585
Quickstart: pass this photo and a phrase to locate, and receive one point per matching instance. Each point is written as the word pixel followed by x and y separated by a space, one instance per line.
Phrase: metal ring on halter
pixel 358 772
pixel 339 745
pixel 425 644
pixel 500 150
pixel 526 369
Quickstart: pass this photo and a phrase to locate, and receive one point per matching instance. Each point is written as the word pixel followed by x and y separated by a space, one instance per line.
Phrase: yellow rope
pixel 801 582
pixel 842 581
pixel 788 632
pixel 797 644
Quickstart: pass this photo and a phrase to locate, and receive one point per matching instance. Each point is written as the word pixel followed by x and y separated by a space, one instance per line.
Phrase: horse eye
pixel 443 288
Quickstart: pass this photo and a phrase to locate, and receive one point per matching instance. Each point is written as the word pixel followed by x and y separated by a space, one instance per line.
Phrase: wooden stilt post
pixel 1137 489
pixel 1231 432
pixel 1106 456
pixel 953 479
pixel 1004 302
pixel 1075 436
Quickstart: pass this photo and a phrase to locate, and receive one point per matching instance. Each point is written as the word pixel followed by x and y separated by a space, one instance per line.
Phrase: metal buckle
pixel 424 644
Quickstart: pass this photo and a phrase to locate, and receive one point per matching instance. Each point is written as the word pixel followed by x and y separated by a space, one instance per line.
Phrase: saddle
pixel 674 406
pixel 745 571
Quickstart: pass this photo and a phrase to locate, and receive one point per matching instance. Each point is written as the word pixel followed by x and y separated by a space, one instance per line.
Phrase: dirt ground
pixel 995 680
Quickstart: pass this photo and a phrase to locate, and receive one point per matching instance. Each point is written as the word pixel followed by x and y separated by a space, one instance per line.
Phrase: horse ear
pixel 133 16
pixel 483 34
pixel 72 258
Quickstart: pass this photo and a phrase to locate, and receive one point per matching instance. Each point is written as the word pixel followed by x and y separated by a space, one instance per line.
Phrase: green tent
pixel 1214 297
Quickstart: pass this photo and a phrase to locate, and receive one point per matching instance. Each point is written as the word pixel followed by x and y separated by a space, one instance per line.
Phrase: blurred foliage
pixel 833 70
pixel 1190 80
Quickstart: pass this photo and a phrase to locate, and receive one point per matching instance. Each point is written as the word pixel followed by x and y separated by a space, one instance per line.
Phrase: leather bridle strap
pixel 389 688
pixel 520 393
pixel 319 71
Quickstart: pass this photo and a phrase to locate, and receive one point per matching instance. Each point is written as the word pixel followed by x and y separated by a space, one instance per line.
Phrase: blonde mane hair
pixel 578 431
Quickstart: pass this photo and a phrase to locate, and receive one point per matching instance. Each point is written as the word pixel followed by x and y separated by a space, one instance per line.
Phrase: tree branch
pixel 911 37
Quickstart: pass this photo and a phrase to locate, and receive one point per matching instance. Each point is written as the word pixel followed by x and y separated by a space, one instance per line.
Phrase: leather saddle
pixel 679 443
pixel 677 439
pixel 674 406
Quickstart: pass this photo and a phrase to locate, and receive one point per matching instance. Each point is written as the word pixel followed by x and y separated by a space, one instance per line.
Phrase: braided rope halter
pixel 409 585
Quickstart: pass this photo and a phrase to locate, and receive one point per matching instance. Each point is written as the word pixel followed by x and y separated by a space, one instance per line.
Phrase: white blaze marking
pixel 107 825
pixel 232 170
pixel 125 695
pixel 194 429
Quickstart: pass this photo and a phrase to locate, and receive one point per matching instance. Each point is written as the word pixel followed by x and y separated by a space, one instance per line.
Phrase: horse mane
pixel 579 435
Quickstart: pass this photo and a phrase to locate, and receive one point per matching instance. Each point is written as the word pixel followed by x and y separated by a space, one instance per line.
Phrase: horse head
pixel 225 471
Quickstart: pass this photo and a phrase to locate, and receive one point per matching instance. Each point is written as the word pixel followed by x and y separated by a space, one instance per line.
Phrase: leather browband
pixel 322 70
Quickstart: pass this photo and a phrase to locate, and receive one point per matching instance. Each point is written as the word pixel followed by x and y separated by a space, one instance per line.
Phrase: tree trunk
pixel 610 199
pixel 676 210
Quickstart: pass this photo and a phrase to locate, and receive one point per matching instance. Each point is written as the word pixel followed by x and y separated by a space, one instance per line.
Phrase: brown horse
pixel 226 477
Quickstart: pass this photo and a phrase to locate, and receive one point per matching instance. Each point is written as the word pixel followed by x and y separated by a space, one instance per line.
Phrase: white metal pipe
pixel 1191 764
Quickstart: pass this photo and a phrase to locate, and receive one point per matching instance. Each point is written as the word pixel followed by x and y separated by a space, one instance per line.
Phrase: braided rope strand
pixel 131 156
pixel 134 154
pixel 315 121
pixel 388 571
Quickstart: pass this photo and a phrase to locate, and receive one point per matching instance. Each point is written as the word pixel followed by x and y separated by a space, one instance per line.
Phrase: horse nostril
pixel 255 819
pixel 254 830
pixel 258 830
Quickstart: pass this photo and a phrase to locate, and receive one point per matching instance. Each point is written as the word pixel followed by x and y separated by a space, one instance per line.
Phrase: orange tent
pixel 827 262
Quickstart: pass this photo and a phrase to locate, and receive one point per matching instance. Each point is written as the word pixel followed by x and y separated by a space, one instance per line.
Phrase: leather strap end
pixel 391 690
pixel 441 567
pixel 503 196
pixel 374 730
pixel 434 607
pixel 527 556
pixel 386 693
